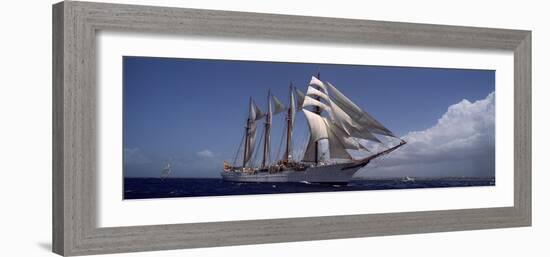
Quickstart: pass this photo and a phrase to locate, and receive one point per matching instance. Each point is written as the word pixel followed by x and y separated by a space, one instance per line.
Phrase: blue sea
pixel 144 188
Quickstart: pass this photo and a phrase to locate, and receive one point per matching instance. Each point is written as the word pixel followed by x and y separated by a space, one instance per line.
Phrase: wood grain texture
pixel 75 24
pixel 522 128
pixel 57 128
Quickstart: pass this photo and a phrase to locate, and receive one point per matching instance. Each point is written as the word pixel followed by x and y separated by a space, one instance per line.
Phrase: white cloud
pixel 206 154
pixel 460 144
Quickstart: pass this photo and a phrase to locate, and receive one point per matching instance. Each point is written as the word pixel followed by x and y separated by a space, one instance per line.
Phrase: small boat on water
pixel 165 173
pixel 408 179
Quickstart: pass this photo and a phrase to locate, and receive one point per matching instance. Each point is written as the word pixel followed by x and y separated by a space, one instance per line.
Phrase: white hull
pixel 319 174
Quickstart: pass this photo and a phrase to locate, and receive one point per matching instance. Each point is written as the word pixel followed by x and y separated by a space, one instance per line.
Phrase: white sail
pixel 256 111
pixel 290 123
pixel 251 141
pixel 348 125
pixel 317 127
pixel 279 106
pixel 316 93
pixel 317 83
pixel 373 125
pixel 317 131
pixel 267 131
pixel 321 128
pixel 300 98
pixel 269 114
pixel 346 141
pixel 309 101
pixel 254 114
pixel 338 143
pixel 309 153
pixel 292 107
pixel 341 118
pixel 363 134
pixel 358 116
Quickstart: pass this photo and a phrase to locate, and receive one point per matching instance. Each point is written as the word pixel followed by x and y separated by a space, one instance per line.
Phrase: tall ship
pixel 339 134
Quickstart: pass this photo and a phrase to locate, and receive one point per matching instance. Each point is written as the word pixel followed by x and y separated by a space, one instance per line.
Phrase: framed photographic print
pixel 315 140
pixel 182 128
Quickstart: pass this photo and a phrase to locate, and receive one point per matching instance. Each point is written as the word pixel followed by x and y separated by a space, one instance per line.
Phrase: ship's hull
pixel 330 174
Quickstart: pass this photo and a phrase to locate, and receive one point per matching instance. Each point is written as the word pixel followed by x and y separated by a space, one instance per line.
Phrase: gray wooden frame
pixel 74 129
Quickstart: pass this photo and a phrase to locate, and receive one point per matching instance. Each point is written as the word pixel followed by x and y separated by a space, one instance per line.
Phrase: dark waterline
pixel 146 188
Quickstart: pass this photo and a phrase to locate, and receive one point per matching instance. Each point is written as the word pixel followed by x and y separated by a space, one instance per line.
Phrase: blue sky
pixel 192 111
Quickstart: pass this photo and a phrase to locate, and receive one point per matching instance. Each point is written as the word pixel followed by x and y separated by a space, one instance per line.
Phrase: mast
pixel 247 138
pixel 317 110
pixel 267 131
pixel 246 141
pixel 289 118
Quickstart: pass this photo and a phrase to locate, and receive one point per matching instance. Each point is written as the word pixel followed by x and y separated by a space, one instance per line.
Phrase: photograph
pixel 206 127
